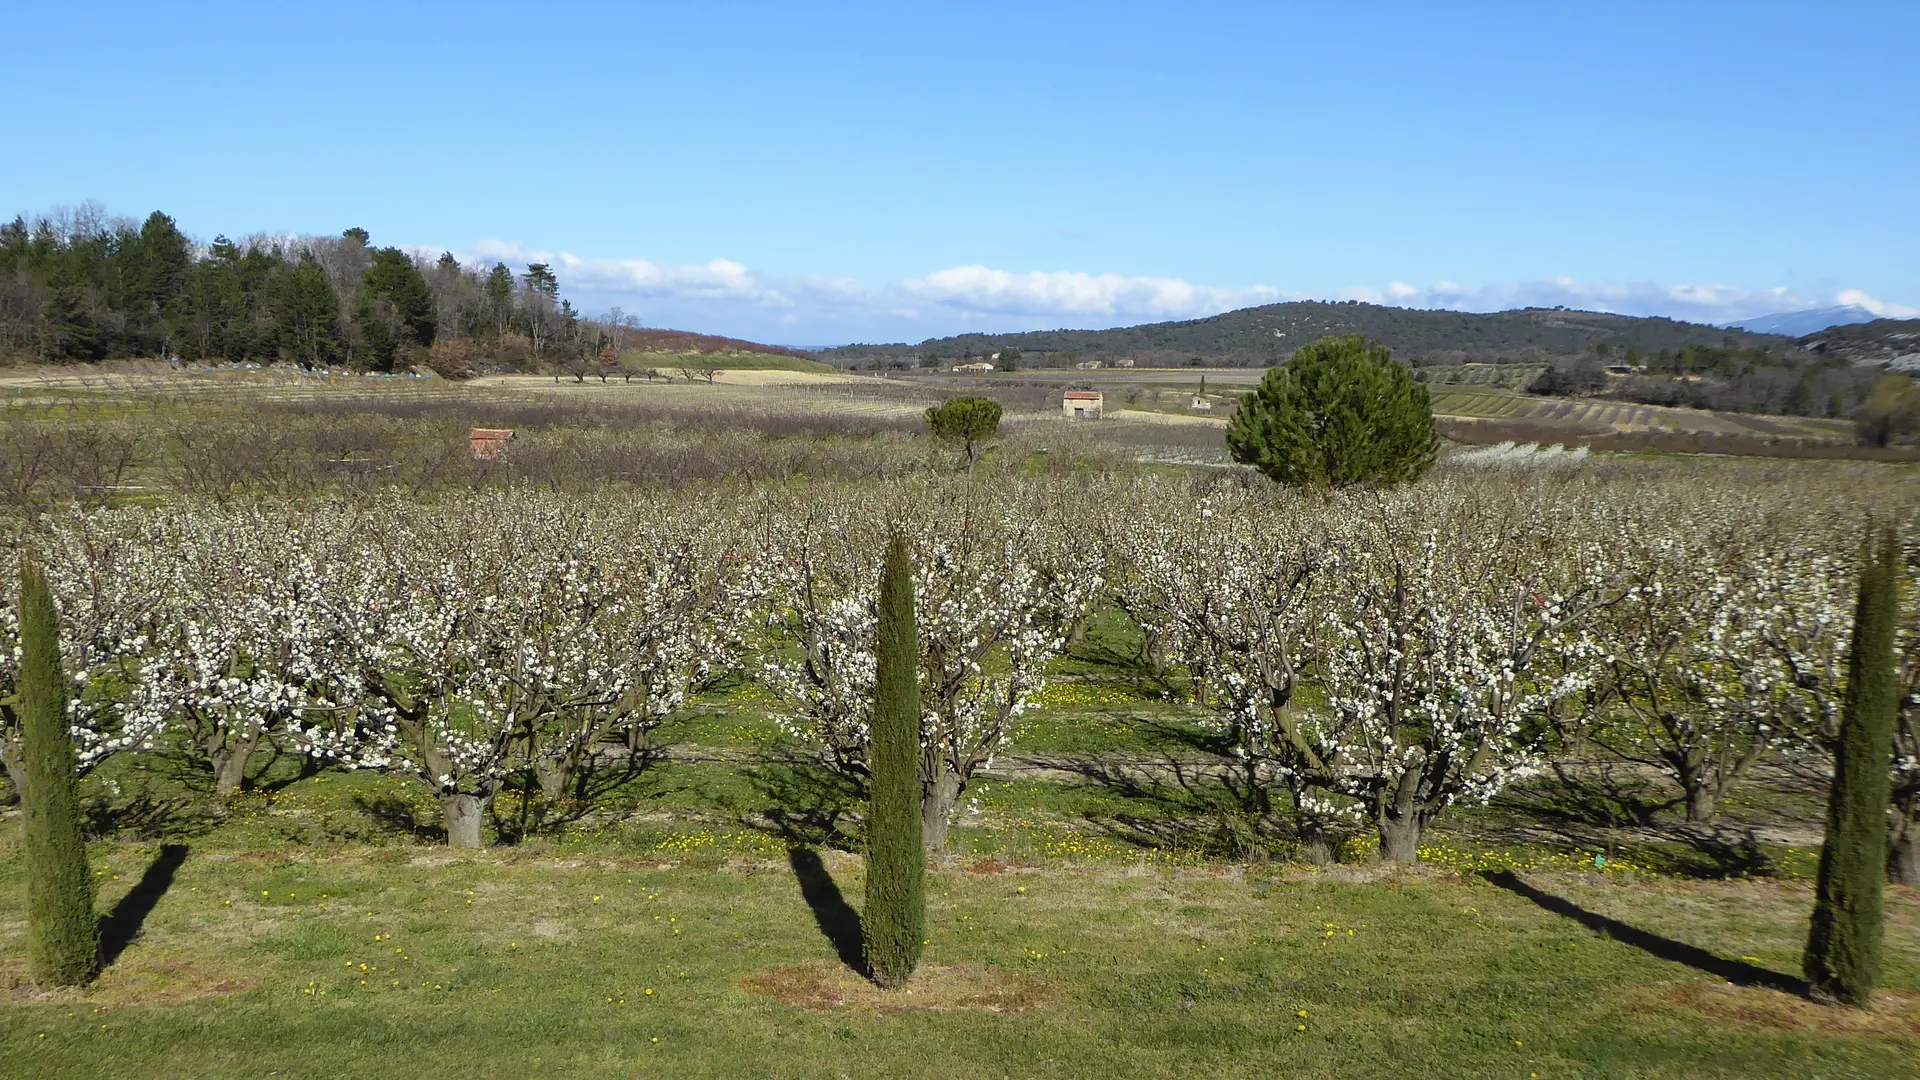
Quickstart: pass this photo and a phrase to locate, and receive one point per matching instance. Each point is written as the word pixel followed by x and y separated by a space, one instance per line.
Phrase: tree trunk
pixel 16 770
pixel 463 814
pixel 1400 837
pixel 936 807
pixel 1903 847
pixel 1702 801
pixel 230 771
pixel 554 777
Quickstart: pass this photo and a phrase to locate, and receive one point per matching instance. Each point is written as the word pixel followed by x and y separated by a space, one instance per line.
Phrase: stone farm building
pixel 1081 404
pixel 488 442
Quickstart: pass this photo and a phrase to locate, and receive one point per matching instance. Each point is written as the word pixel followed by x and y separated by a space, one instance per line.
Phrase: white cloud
pixel 721 279
pixel 1878 307
pixel 726 297
pixel 984 290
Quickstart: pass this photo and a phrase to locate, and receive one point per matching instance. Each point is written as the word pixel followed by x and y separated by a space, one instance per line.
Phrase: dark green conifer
pixel 62 939
pixel 1340 412
pixel 1842 961
pixel 896 911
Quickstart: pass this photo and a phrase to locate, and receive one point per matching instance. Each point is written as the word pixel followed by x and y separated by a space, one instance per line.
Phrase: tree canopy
pixel 966 421
pixel 1339 413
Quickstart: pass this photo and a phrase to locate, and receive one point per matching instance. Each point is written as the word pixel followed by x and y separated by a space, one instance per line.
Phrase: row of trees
pixel 1730 378
pixel 1375 657
pixel 81 286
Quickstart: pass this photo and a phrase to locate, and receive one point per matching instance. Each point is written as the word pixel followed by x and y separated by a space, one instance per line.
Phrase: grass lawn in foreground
pixel 407 960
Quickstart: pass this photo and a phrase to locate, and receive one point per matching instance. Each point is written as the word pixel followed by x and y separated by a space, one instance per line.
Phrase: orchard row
pixel 1373 657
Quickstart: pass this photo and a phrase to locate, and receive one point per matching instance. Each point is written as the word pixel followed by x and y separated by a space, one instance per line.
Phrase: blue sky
pixel 817 173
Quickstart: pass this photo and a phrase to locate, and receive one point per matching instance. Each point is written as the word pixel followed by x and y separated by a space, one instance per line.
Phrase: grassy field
pixel 716 957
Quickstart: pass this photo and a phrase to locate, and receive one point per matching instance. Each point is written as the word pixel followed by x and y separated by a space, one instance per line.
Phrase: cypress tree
pixel 1842 961
pixel 62 942
pixel 896 912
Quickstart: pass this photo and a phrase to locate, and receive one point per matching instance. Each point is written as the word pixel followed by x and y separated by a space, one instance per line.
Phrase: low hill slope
pixel 686 341
pixel 1888 343
pixel 1261 336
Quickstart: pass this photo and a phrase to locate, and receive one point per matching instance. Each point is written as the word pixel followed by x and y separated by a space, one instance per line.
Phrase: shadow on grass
pixel 120 926
pixel 804 804
pixel 146 817
pixel 1210 807
pixel 836 918
pixel 395 814
pixel 604 776
pixel 1738 972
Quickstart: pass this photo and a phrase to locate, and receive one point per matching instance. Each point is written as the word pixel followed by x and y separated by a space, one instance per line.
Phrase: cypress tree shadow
pixel 836 918
pixel 1738 972
pixel 120 926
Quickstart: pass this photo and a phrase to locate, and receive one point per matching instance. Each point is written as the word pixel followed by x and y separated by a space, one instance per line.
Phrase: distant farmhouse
pixel 1081 404
pixel 1125 361
pixel 978 367
pixel 1088 365
pixel 488 442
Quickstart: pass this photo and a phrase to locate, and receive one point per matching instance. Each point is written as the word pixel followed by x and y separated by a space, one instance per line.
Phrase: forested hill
pixel 79 286
pixel 1261 336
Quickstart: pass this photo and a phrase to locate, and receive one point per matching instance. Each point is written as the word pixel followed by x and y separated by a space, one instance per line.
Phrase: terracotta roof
pixel 1083 395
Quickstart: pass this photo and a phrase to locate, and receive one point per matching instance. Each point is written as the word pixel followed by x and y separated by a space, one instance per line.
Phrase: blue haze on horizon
pixel 824 173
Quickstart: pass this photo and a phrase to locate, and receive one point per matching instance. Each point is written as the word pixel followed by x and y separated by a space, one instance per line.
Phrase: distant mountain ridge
pixel 1266 335
pixel 1796 324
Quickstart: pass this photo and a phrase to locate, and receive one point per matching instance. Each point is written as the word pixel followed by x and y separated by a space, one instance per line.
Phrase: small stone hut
pixel 1081 404
pixel 488 442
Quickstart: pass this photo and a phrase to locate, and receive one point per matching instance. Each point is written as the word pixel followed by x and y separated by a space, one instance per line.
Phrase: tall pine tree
pixel 1842 961
pixel 896 913
pixel 393 310
pixel 62 940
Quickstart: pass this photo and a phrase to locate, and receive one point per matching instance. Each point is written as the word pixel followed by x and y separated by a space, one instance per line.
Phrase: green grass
pixel 502 964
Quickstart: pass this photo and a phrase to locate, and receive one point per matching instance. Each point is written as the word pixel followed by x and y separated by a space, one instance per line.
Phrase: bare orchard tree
pixel 1223 584
pixel 241 646
pixel 639 610
pixel 997 582
pixel 99 566
pixel 1903 847
pixel 1453 622
pixel 1727 645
